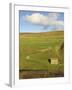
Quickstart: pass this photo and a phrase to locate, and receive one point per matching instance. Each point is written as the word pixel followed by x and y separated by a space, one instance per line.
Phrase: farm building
pixel 53 60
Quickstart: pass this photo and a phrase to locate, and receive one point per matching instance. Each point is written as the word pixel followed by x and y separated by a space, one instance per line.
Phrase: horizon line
pixel 43 31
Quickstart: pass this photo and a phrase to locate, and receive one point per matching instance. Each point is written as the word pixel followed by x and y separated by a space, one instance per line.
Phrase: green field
pixel 36 48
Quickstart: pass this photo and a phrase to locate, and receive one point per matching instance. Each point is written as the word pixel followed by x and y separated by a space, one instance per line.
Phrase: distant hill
pixel 53 33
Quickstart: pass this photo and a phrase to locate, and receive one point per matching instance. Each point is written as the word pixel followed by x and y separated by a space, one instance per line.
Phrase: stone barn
pixel 53 60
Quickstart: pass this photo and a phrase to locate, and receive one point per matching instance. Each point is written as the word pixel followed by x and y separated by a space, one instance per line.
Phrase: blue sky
pixel 40 21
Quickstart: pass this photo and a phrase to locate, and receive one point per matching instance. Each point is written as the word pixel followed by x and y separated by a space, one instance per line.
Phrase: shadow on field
pixel 27 74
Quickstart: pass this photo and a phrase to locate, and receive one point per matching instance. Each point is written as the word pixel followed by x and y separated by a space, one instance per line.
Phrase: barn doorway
pixel 49 60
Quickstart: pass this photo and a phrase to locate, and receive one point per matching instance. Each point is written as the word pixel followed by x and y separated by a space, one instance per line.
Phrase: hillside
pixel 53 33
pixel 36 48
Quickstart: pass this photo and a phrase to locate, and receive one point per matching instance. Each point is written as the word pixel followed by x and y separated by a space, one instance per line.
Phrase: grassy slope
pixel 39 47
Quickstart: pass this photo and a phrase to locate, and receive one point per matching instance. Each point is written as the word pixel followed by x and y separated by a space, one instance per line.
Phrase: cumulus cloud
pixel 45 20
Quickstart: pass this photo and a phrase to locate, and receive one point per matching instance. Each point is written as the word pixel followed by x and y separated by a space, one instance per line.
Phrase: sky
pixel 40 21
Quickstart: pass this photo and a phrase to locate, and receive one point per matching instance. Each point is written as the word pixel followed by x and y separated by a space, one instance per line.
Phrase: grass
pixel 39 47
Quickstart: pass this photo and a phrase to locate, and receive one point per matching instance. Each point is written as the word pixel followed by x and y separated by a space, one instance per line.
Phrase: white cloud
pixel 45 20
pixel 59 27
pixel 36 18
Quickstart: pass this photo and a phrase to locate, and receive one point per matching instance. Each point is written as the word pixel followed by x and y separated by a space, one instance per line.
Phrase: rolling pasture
pixel 34 51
